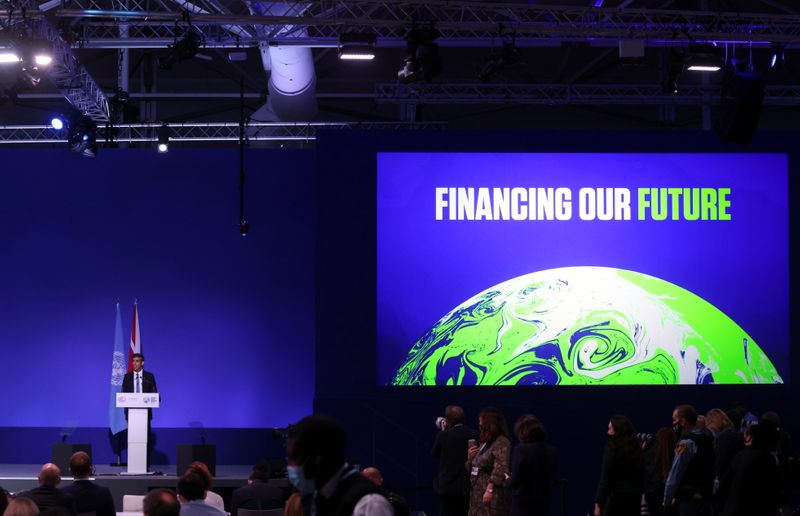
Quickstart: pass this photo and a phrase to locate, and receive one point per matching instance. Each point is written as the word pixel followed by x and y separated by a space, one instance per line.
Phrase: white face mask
pixel 305 486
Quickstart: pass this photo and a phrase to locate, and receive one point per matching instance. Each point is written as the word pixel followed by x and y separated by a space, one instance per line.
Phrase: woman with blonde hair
pixel 21 507
pixel 728 441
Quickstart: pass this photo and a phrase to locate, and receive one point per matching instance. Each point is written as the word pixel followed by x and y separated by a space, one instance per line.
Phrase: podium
pixel 137 404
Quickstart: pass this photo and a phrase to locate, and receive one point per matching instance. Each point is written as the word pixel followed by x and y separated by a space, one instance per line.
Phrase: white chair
pixel 132 503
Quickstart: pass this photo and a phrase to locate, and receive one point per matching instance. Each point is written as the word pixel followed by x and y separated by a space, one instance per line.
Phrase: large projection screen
pixel 582 269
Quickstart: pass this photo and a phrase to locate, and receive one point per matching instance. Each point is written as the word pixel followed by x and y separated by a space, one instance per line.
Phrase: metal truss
pixel 565 94
pixel 69 75
pixel 199 132
pixel 458 22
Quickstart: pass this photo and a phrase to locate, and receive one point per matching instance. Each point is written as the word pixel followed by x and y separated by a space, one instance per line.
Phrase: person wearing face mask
pixel 728 441
pixel 327 484
pixel 691 478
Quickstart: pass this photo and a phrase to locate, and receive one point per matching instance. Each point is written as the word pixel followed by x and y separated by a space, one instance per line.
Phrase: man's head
pixel 191 486
pixel 316 445
pixel 454 415
pixel 49 475
pixel 161 502
pixel 260 472
pixel 684 418
pixel 202 471
pixel 80 465
pixel 138 362
pixel 373 475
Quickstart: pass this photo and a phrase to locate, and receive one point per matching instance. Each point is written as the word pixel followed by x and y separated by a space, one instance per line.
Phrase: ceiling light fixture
pixel 704 58
pixel 357 46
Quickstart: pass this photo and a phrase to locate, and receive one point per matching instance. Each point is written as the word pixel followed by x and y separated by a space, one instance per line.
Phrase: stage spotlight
pixel 244 227
pixel 357 46
pixel 778 57
pixel 82 136
pixel 422 61
pixel 163 138
pixel 704 58
pixel 183 49
pixel 57 123
pixel 8 56
pixel 674 66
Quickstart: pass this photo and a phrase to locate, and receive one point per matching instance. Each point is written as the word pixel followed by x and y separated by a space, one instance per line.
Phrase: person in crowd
pixel 783 454
pixel 47 496
pixel 727 442
pixel 399 503
pixel 533 469
pixel 258 494
pixel 213 499
pixel 658 460
pixel 161 502
pixel 487 461
pixel 450 448
pixel 192 494
pixel 21 506
pixel 750 486
pixel 5 498
pixel 294 505
pixel 328 485
pixel 691 478
pixel 88 496
pixel 619 492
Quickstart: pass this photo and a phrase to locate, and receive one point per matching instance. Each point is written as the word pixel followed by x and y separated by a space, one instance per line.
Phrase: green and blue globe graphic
pixel 585 326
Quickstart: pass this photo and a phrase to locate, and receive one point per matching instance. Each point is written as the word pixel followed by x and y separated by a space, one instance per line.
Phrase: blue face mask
pixel 305 486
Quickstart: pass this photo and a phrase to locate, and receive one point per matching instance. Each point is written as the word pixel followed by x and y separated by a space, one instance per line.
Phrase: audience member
pixel 213 499
pixel 5 498
pixel 691 479
pixel 450 448
pixel 192 493
pixel 727 442
pixel 398 503
pixel 488 464
pixel 88 496
pixel 658 460
pixel 258 494
pixel 783 454
pixel 750 485
pixel 21 506
pixel 316 467
pixel 47 496
pixel 294 505
pixel 533 469
pixel 619 492
pixel 161 502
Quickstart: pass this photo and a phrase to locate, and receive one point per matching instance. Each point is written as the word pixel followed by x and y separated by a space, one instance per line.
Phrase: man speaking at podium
pixel 139 380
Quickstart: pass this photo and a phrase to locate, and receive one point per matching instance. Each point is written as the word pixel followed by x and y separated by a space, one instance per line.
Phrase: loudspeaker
pixel 60 454
pixel 205 453
pixel 740 107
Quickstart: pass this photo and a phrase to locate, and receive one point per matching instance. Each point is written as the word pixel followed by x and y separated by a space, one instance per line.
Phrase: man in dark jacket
pixel 88 496
pixel 47 496
pixel 258 494
pixel 450 447
pixel 691 479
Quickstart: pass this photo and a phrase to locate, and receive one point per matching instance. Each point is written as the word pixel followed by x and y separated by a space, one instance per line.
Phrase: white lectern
pixel 137 404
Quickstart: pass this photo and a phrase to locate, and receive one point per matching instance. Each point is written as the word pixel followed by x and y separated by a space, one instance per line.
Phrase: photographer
pixel 450 447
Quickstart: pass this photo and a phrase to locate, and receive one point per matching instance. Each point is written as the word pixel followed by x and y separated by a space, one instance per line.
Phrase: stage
pixel 21 477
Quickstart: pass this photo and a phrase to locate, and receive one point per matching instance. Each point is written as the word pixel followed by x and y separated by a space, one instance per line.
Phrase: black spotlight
pixel 422 61
pixel 778 56
pixel 675 62
pixel 82 136
pixel 244 227
pixel 163 138
pixel 183 49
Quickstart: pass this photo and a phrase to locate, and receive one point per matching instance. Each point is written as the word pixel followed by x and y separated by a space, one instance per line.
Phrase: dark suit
pixel 533 475
pixel 47 497
pixel 90 497
pixel 452 482
pixel 258 495
pixel 148 385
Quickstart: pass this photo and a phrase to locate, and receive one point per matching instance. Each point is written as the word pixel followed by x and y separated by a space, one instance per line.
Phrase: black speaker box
pixel 60 454
pixel 205 453
pixel 740 107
